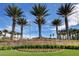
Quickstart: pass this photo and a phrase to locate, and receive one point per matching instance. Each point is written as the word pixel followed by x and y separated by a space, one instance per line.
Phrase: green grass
pixel 20 53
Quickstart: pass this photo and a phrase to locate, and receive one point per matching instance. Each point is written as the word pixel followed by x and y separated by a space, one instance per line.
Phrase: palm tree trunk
pixel 66 24
pixel 39 26
pixel 21 31
pixel 5 35
pixel 57 31
pixel 13 28
pixel 78 35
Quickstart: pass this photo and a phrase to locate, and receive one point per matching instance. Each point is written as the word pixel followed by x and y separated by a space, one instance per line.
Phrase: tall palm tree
pixel 22 22
pixel 40 12
pixel 0 33
pixel 14 12
pixel 50 36
pixel 5 31
pixel 40 22
pixel 65 11
pixel 56 23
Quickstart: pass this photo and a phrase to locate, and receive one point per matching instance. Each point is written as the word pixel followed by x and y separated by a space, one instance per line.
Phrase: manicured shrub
pixel 62 47
pixel 56 46
pixel 38 47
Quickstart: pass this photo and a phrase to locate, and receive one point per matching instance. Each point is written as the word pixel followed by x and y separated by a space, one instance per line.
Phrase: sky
pixel 31 30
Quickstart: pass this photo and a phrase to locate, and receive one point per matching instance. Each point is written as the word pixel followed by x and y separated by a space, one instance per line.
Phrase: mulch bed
pixel 40 50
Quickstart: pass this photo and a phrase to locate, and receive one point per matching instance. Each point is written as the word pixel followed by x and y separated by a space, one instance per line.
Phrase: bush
pixel 62 47
pixel 6 47
pixel 38 47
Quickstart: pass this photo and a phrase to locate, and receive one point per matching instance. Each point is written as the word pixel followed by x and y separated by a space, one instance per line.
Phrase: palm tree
pixel 22 22
pixel 56 23
pixel 40 22
pixel 50 36
pixel 40 12
pixel 14 12
pixel 0 33
pixel 5 31
pixel 65 11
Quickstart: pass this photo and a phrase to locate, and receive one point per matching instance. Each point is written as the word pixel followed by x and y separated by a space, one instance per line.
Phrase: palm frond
pixel 56 22
pixel 39 10
pixel 40 21
pixel 22 21
pixel 66 9
pixel 13 11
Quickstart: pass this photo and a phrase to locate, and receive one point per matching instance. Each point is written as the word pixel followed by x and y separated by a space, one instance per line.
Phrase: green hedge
pixel 38 46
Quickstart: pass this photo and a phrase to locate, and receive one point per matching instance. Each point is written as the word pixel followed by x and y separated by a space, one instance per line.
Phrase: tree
pixel 56 23
pixel 40 22
pixel 5 31
pixel 0 33
pixel 50 36
pixel 40 12
pixel 22 22
pixel 65 11
pixel 14 12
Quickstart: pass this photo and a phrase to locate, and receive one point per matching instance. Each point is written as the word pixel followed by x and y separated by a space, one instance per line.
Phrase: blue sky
pixel 47 29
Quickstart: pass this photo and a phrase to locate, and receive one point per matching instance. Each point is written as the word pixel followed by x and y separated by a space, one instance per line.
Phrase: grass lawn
pixel 20 53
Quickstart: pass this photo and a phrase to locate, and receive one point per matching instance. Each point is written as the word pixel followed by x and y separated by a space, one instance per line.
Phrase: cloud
pixel 29 36
pixel 9 28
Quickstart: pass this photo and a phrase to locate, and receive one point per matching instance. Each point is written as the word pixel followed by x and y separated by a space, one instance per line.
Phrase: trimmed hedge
pixel 38 47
